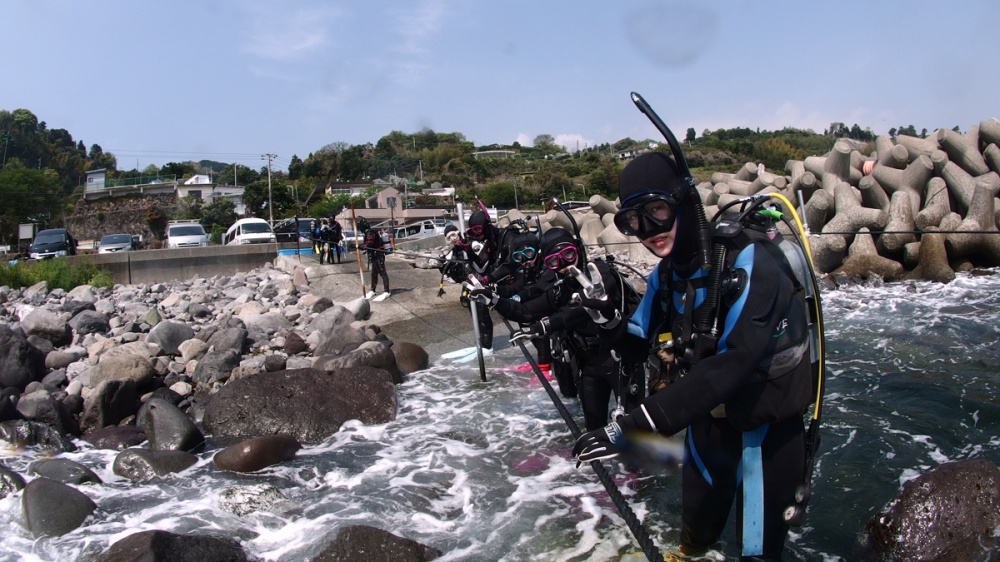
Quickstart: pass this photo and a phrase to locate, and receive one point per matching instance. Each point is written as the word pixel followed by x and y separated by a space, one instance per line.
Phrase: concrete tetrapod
pixel 981 237
pixel 864 260
pixel 899 230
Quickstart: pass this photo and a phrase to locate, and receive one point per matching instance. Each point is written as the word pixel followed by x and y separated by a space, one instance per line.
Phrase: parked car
pixel 285 230
pixel 185 234
pixel 422 229
pixel 353 239
pixel 51 243
pixel 113 243
pixel 248 231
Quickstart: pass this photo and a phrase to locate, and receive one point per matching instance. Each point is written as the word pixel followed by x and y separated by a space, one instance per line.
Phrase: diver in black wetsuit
pixel 554 311
pixel 742 404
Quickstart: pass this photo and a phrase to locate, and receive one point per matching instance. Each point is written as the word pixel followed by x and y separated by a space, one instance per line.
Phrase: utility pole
pixel 270 208
pixel 6 138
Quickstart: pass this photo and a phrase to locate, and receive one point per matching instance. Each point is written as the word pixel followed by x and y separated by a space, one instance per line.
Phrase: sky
pixel 231 81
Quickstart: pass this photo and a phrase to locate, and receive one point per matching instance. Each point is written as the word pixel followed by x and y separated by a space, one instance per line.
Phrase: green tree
pixel 156 221
pixel 219 213
pixel 294 168
pixel 691 135
pixel 25 192
pixel 190 208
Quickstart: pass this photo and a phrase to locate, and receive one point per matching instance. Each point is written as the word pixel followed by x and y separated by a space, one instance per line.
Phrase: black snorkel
pixel 689 193
pixel 705 335
pixel 576 229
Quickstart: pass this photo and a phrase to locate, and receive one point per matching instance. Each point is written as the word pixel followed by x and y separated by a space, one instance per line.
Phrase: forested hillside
pixel 41 175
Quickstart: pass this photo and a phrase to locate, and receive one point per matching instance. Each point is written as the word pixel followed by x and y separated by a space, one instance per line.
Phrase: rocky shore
pixel 261 363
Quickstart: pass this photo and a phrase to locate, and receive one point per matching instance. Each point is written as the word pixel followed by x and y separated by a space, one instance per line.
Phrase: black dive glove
pixel 594 297
pixel 601 444
pixel 481 294
pixel 536 329
pixel 608 442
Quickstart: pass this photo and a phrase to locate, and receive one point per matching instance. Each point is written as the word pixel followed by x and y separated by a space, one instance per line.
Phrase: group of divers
pixel 725 344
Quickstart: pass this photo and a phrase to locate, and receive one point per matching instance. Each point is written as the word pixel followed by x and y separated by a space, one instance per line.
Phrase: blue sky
pixel 232 80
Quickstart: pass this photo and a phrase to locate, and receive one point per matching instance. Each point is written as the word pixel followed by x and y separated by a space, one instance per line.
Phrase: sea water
pixel 481 471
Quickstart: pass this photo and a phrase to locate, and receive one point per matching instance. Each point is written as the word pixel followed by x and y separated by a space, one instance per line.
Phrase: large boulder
pixel 167 427
pixel 368 354
pixel 948 513
pixel 43 437
pixel 162 546
pixel 410 357
pixel 116 438
pixel 52 509
pixel 64 470
pixel 307 404
pixel 20 362
pixel 47 324
pixel 169 336
pixel 108 404
pixel 362 542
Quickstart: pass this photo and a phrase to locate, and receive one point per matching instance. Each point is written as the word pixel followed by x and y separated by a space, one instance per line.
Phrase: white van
pixel 248 231
pixel 422 229
pixel 185 234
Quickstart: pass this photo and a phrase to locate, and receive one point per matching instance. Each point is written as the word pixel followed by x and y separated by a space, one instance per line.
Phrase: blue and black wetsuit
pixel 741 406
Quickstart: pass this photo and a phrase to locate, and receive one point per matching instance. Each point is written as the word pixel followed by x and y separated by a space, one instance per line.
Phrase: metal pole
pixel 357 250
pixel 270 208
pixel 472 307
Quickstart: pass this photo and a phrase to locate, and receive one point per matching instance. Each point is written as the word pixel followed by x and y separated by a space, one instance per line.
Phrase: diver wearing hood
pixel 482 253
pixel 556 311
pixel 743 418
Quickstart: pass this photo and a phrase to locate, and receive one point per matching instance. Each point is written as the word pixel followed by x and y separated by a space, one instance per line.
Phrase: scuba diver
pixel 325 243
pixel 556 309
pixel 481 251
pixel 742 375
pixel 373 245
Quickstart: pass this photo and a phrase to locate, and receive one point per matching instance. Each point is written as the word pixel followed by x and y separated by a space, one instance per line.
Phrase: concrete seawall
pixel 154 266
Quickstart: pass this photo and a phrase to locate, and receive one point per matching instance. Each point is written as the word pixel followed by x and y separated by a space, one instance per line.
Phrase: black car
pixel 51 243
pixel 285 230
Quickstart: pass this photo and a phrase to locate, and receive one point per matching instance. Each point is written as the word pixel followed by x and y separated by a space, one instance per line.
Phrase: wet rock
pixel 142 464
pixel 10 482
pixel 948 513
pixel 168 428
pixel 162 546
pixel 308 404
pixel 362 542
pixel 45 438
pixel 115 438
pixel 257 453
pixel 64 470
pixel 52 509
pixel 244 500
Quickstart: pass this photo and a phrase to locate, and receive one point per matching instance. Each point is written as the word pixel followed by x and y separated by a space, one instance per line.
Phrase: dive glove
pixel 595 297
pixel 534 330
pixel 600 444
pixel 481 294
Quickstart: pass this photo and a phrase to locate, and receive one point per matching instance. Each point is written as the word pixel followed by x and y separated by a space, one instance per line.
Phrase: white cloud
pixel 278 32
pixel 524 139
pixel 573 142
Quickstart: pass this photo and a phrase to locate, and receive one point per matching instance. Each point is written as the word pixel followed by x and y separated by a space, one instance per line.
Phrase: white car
pixel 114 243
pixel 249 231
pixel 186 235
